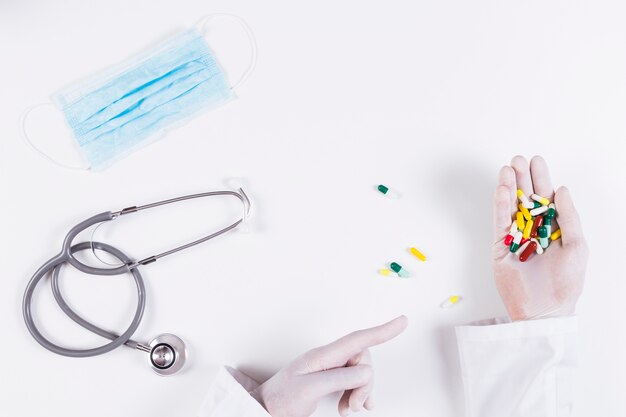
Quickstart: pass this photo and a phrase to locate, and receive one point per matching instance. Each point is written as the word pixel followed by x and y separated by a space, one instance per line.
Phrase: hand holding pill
pixel 539 265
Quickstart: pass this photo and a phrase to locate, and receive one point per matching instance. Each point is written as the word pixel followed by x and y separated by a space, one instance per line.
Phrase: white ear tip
pixel 235 183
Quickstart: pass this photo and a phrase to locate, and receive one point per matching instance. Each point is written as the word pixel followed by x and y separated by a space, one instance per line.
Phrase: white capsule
pixel 539 249
pixel 551 205
pixel 538 210
pixel 513 228
pixel 521 249
pixel 517 237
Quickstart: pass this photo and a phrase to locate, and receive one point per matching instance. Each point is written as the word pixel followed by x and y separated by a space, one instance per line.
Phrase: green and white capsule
pixel 383 189
pixel 547 222
pixel 516 241
pixel 397 268
pixel 551 212
pixel 542 231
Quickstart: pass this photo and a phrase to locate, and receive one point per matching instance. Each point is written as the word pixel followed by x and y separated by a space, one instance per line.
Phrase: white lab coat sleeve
pixel 228 396
pixel 520 369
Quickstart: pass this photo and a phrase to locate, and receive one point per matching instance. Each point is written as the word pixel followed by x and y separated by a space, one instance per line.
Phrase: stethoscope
pixel 166 353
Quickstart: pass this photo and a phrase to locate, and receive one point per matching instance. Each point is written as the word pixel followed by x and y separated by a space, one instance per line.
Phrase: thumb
pixel 320 384
pixel 567 216
pixel 504 202
pixel 501 212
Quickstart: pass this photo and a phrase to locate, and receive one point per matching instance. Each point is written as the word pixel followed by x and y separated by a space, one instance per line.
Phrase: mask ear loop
pixel 26 139
pixel 251 38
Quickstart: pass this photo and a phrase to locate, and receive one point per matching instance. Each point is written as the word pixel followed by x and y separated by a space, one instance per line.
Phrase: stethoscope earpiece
pixel 167 354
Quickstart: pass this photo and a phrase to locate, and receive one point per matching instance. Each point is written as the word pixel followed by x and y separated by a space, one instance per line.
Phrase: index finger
pixel 338 353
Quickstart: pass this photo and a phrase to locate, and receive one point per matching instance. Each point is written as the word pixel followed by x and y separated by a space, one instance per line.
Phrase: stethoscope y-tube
pixel 167 353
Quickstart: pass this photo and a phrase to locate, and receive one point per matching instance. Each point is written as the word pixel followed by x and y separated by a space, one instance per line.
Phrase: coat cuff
pixel 227 397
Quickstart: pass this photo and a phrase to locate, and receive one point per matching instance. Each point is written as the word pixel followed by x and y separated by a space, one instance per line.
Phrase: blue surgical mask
pixel 120 110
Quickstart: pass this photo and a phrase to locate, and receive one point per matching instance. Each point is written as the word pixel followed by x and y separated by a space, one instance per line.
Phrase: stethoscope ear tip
pixel 167 354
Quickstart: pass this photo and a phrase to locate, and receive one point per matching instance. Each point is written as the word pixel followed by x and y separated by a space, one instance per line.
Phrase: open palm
pixel 547 285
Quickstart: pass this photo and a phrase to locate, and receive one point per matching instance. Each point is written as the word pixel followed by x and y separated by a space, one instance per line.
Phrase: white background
pixel 430 98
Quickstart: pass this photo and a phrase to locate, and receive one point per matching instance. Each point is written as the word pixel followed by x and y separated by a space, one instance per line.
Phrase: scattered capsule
pixel 419 255
pixel 543 236
pixel 509 238
pixel 538 247
pixel 522 248
pixel 537 221
pixel 525 212
pixel 539 210
pixel 520 220
pixel 450 301
pixel 556 234
pixel 528 229
pixel 548 224
pixel 524 200
pixel 539 199
pixel 516 241
pixel 397 268
pixel 387 272
pixel 530 249
pixel 387 191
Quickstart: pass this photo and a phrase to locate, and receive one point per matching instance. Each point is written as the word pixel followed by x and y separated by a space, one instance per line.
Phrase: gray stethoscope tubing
pixel 54 265
pixel 160 347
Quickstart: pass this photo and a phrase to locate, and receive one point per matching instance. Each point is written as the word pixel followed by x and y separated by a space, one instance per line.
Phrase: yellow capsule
pixel 419 255
pixel 556 234
pixel 539 199
pixel 450 301
pixel 520 221
pixel 386 272
pixel 528 229
pixel 524 211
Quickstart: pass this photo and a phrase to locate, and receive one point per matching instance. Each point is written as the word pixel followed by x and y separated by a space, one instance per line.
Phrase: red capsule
pixel 538 222
pixel 530 249
pixel 508 240
pixel 523 241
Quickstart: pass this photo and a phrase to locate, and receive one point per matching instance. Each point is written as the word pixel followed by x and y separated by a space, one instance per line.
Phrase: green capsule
pixel 536 204
pixel 547 221
pixel 550 214
pixel 383 189
pixel 514 247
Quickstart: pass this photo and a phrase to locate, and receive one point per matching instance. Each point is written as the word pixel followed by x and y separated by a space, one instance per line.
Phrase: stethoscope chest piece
pixel 167 354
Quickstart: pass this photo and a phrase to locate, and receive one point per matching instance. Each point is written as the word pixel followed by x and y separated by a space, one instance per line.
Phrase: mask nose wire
pixel 24 134
pixel 251 39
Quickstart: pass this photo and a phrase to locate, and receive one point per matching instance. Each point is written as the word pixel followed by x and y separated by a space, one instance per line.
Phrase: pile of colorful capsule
pixel 531 230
